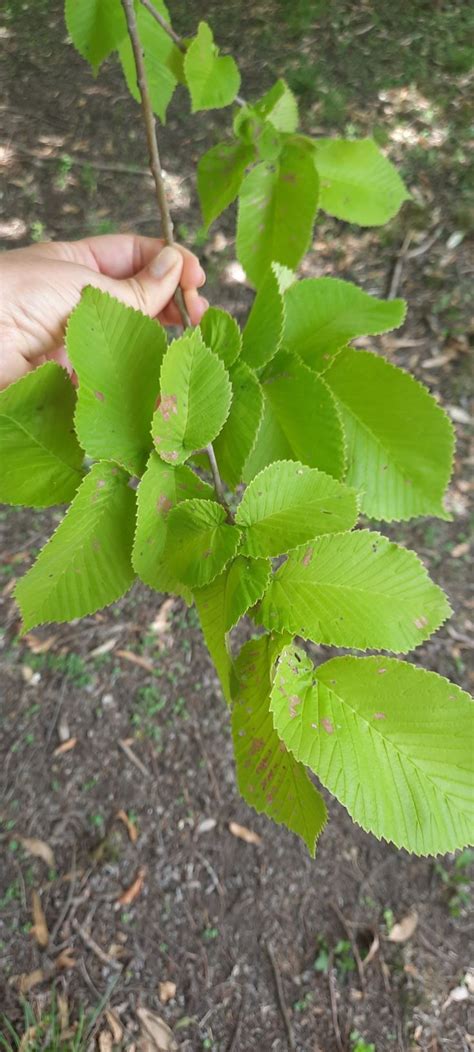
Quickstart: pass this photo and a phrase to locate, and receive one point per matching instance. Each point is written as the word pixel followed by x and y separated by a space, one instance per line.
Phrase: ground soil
pixel 237 927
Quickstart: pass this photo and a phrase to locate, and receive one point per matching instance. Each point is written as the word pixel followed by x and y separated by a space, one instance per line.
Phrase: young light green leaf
pixel 234 443
pixel 355 590
pixel 269 777
pixel 117 353
pixel 223 602
pixel 277 208
pixel 86 563
pixel 41 456
pixel 163 60
pixel 279 106
pixel 400 441
pixel 322 314
pixel 357 182
pixel 195 399
pixel 263 330
pixel 213 81
pixel 96 28
pixel 220 172
pixel 221 334
pixel 392 742
pixel 288 504
pixel 199 542
pixel 161 488
pixel 284 276
pixel 300 420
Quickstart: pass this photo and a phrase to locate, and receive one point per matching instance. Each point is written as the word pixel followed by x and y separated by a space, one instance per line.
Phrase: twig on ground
pixel 333 999
pixel 235 1037
pixel 80 162
pixel 69 898
pixel 95 948
pixel 281 996
pixel 355 949
pixel 398 268
pixel 134 759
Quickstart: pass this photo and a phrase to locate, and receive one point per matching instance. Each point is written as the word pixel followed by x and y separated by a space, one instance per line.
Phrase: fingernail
pixel 167 260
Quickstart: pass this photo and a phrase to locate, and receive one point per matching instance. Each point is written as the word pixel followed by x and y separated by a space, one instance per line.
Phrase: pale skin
pixel 41 285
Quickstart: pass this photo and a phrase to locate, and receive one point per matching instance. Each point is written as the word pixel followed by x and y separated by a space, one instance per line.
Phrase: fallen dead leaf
pixel 116 951
pixel 136 659
pixel 39 849
pixel 28 1036
pixel 117 1030
pixel 373 950
pixel 105 1041
pixel 244 834
pixel 130 894
pixel 39 929
pixel 460 993
pixel 460 549
pixel 65 747
pixel 167 991
pixel 38 646
pixel 63 1012
pixel 156 1035
pixel 104 648
pixel 29 676
pixel 161 623
pixel 404 930
pixel 27 981
pixel 206 825
pixel 65 959
pixel 130 826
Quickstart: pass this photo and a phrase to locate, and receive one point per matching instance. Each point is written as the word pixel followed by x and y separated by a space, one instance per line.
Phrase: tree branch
pixel 152 142
pixel 209 450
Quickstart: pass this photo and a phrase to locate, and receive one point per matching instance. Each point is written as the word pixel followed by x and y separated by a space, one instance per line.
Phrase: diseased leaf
pixel 162 488
pixel 355 590
pixel 195 399
pixel 288 504
pixel 392 742
pixel 277 208
pixel 223 602
pixel 400 442
pixel 269 778
pixel 322 314
pixel 116 353
pixel 96 28
pixel 199 542
pixel 221 334
pixel 234 443
pixel 163 60
pixel 41 457
pixel 357 182
pixel 86 563
pixel 279 106
pixel 213 80
pixel 300 420
pixel 263 330
pixel 220 172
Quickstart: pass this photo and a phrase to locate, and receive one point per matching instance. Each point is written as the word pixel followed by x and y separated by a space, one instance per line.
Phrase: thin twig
pixel 234 1042
pixel 134 759
pixel 94 946
pixel 333 999
pixel 281 996
pixel 69 898
pixel 152 142
pixel 215 474
pixel 398 268
pixel 354 946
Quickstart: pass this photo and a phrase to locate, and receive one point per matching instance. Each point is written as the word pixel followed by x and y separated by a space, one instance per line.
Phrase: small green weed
pixel 457 881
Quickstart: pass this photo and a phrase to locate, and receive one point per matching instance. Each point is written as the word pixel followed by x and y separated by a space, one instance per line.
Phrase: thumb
pixel 153 287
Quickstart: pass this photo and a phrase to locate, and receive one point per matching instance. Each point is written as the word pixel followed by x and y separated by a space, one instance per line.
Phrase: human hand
pixel 40 286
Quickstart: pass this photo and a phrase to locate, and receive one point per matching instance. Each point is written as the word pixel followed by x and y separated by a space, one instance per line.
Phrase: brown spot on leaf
pixel 163 504
pixel 99 396
pixel 168 405
pixel 380 671
pixel 379 716
pixel 420 622
pixel 308 555
pixel 328 727
pixel 256 745
pixel 293 703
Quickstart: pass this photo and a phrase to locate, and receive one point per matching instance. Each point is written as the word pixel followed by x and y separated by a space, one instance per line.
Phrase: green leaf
pixel 220 172
pixel 300 420
pixel 269 777
pixel 86 563
pixel 199 542
pixel 234 443
pixel 223 602
pixel 392 742
pixel 161 488
pixel 221 334
pixel 277 208
pixel 195 399
pixel 263 330
pixel 163 60
pixel 213 81
pixel 355 590
pixel 117 353
pixel 288 504
pixel 322 314
pixel 357 182
pixel 96 28
pixel 41 456
pixel 279 106
pixel 400 442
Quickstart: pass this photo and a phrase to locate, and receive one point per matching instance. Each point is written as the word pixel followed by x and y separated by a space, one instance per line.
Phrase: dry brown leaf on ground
pixel 65 747
pixel 40 928
pixel 27 980
pixel 167 991
pixel 404 930
pixel 130 894
pixel 104 648
pixel 116 1028
pixel 460 993
pixel 39 646
pixel 105 1042
pixel 129 825
pixel 65 959
pixel 63 1012
pixel 38 848
pixel 28 1037
pixel 156 1035
pixel 162 624
pixel 136 659
pixel 244 834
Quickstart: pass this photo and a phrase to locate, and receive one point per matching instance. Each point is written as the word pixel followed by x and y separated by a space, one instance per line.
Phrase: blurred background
pixel 121 827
